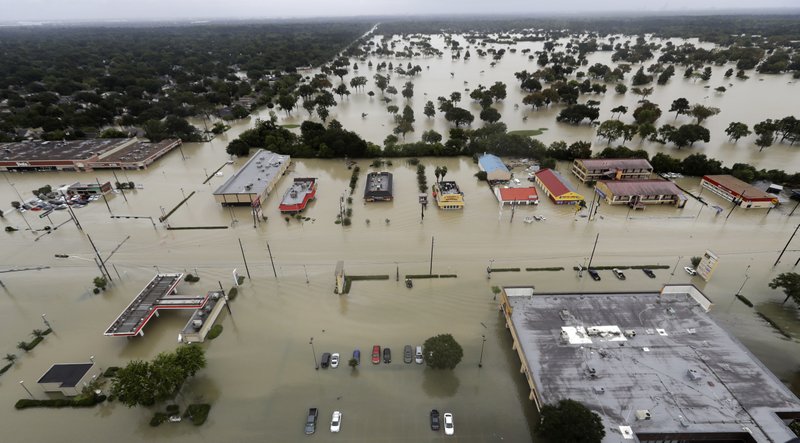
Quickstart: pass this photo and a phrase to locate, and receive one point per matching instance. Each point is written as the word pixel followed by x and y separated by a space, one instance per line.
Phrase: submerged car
pixel 690 271
pixel 357 356
pixel 408 354
pixel 618 274
pixel 311 421
pixel 387 355
pixel 336 421
pixel 449 427
pixel 376 354
pixel 595 276
pixel 418 355
pixel 325 361
pixel 335 360
pixel 649 273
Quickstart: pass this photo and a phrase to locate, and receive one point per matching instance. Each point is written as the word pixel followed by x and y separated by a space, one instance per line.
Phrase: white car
pixel 336 421
pixel 689 270
pixel 335 360
pixel 449 428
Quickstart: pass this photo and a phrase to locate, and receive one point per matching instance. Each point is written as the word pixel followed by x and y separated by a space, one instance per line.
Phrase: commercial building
pixel 655 366
pixel 558 188
pixel 378 187
pixel 254 181
pixel 203 318
pixel 637 193
pixel 495 169
pixel 594 169
pixel 448 195
pixel 516 196
pixel 740 193
pixel 68 378
pixel 82 155
pixel 297 197
pixel 89 188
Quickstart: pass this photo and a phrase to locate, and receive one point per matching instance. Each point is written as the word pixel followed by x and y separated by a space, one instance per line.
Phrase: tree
pixel 10 358
pixel 352 363
pixel 535 99
pixel 455 97
pixel 737 130
pixel 498 91
pixel 391 90
pixel 490 115
pixel 134 384
pixel 610 130
pixel 323 113
pixel 577 113
pixel 341 91
pixel 680 106
pixel 644 92
pixel 570 422
pixel 309 106
pixel 695 261
pixel 442 352
pixel 430 136
pixel 640 78
pixel 287 102
pixel 238 147
pixel 621 109
pixel 442 172
pixel 458 116
pixel 647 112
pixel 37 333
pixel 620 88
pixel 392 109
pixel 340 72
pixel 790 283
pixel 100 283
pixel 688 135
pixel 429 109
pixel 701 112
pixel 190 359
pixel 766 133
pixel 408 90
pixel 381 82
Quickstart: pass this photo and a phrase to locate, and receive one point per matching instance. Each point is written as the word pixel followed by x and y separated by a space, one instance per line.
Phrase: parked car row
pixel 336 421
pixel 331 360
pixel 58 204
pixel 621 275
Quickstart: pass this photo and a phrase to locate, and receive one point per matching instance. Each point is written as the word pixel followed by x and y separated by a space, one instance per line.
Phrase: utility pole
pixel 746 277
pixel 311 342
pixel 105 199
pixel 227 302
pixel 480 362
pixel 593 249
pixel 736 202
pixel 430 270
pixel 676 265
pixel 786 246
pixel 99 258
pixel 244 258
pixel 272 261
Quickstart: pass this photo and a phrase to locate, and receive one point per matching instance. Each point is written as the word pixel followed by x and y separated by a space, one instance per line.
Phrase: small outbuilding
pixel 67 378
pixel 495 169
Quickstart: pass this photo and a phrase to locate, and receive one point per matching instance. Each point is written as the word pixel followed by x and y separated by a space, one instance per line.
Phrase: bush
pixel 232 293
pixel 240 280
pixel 173 409
pixel 76 402
pixel 695 261
pixel 214 332
pixel 198 412
pixel 481 175
pixel 111 372
pixel 158 418
pixel 347 221
pixel 191 278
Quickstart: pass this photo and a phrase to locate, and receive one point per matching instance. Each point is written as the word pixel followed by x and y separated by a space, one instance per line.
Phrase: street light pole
pixel 311 342
pixel 489 269
pixel 480 362
pixel 22 383
pixel 46 323
pixel 676 265
pixel 746 277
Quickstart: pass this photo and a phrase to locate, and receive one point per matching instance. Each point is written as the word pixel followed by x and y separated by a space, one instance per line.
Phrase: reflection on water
pixel 260 375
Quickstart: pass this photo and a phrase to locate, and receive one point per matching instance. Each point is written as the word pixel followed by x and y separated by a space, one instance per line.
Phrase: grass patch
pixel 76 402
pixel 232 293
pixel 544 269
pixel 774 325
pixel 744 300
pixel 290 126
pixel 349 279
pixel 214 332
pixel 528 132
pixel 504 269
pixel 198 412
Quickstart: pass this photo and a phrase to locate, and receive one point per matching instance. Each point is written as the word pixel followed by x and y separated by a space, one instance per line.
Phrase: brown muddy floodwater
pixel 260 377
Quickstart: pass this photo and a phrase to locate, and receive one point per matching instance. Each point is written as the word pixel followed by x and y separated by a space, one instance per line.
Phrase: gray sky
pixel 71 10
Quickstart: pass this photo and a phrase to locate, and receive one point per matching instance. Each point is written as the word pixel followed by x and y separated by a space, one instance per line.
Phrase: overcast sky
pixel 81 10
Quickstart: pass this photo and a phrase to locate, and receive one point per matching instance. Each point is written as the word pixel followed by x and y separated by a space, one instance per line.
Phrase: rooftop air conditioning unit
pixel 643 414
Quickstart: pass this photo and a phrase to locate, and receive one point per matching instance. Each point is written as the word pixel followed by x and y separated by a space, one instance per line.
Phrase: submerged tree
pixel 570 422
pixel 442 352
pixel 790 283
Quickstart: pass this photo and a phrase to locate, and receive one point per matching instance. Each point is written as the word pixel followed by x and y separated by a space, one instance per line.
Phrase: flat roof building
pixel 67 378
pixel 378 187
pixel 82 155
pixel 655 366
pixel 496 170
pixel 594 169
pixel 636 193
pixel 448 195
pixel 740 193
pixel 558 188
pixel 254 181
pixel 516 196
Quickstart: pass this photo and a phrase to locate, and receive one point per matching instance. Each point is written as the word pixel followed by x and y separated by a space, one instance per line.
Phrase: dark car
pixel 326 360
pixel 387 355
pixel 409 283
pixel 595 276
pixel 408 354
pixel 357 356
pixel 434 420
pixel 376 354
pixel 311 421
pixel 649 273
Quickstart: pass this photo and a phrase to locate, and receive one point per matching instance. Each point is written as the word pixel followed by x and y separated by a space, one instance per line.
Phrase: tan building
pixel 740 193
pixel 448 196
pixel 254 181
pixel 595 169
pixel 641 192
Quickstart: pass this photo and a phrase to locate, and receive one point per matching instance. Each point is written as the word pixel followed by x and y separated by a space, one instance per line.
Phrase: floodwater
pixel 260 377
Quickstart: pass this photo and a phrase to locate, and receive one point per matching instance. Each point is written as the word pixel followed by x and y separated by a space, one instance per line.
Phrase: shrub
pixel 198 412
pixel 214 332
pixel 111 371
pixel 173 409
pixel 481 175
pixel 695 261
pixel 232 293
pixel 191 278
pixel 347 221
pixel 158 418
pixel 240 280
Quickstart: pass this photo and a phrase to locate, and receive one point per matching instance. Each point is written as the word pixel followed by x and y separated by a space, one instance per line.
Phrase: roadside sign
pixel 45 213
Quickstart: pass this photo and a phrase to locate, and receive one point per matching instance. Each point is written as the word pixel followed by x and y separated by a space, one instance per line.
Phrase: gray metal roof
pixel 66 374
pixel 642 187
pixel 263 168
pixel 593 164
pixel 680 366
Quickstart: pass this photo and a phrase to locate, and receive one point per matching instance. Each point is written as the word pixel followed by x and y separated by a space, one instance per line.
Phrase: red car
pixel 376 354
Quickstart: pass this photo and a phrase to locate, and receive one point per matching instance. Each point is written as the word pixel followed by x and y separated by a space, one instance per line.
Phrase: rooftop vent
pixel 694 375
pixel 599 390
pixel 630 333
pixel 643 414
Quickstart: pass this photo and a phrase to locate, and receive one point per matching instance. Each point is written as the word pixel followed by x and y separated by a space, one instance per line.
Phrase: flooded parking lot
pixel 260 377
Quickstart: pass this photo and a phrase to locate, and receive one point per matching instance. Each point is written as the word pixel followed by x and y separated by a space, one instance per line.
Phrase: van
pixel 418 355
pixel 326 360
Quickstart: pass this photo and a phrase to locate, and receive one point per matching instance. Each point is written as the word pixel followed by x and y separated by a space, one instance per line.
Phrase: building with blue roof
pixel 495 169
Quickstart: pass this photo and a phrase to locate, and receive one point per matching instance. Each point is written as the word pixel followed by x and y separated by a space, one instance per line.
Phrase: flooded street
pixel 260 377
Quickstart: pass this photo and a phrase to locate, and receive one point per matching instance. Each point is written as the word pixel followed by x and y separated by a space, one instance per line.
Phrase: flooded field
pixel 261 378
